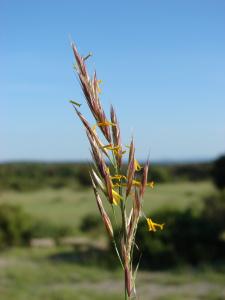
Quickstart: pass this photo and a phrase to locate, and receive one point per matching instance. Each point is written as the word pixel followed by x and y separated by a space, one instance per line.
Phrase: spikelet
pixel 105 217
pixel 90 90
pixel 91 132
pixel 144 180
pixel 116 137
pixel 131 169
pixel 97 155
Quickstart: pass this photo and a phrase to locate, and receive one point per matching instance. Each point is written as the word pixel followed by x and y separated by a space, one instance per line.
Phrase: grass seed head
pixel 104 215
pixel 131 168
pixel 91 132
pixel 116 136
pixel 144 180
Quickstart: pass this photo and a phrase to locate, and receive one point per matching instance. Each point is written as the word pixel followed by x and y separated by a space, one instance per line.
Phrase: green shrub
pixel 157 248
pixel 160 174
pixel 91 223
pixel 214 210
pixel 45 229
pixel 83 175
pixel 187 238
pixel 218 172
pixel 15 226
pixel 191 171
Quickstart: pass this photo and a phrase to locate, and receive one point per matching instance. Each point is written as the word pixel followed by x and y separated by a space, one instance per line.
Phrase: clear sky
pixel 162 64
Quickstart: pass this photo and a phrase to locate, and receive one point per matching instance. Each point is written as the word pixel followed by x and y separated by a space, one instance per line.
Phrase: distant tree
pixel 218 172
pixel 84 176
pixel 15 226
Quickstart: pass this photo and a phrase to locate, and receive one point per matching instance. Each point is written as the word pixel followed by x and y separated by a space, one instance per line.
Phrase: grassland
pixel 38 274
pixel 68 207
pixel 56 273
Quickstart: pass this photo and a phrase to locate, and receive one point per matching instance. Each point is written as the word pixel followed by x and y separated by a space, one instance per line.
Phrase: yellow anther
pixel 136 182
pixel 151 184
pixel 137 166
pixel 119 177
pixel 116 197
pixel 98 87
pixel 111 147
pixel 102 124
pixel 152 226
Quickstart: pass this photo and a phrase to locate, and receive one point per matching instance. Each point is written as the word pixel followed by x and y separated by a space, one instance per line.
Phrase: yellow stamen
pixel 118 176
pixel 152 226
pixel 115 185
pixel 106 123
pixel 137 166
pixel 107 170
pixel 100 124
pixel 151 184
pixel 116 197
pixel 119 185
pixel 111 147
pixel 135 182
pixel 98 87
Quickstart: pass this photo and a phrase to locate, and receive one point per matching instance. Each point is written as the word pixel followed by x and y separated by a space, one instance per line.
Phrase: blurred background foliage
pixel 191 236
pixel 53 242
pixel 31 176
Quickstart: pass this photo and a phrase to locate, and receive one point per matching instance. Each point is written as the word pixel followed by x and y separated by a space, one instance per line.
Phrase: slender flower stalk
pixel 118 188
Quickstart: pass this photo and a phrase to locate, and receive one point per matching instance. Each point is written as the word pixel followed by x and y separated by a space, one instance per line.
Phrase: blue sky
pixel 162 64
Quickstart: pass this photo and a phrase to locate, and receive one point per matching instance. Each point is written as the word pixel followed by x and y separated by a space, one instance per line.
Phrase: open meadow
pixel 68 207
pixel 58 272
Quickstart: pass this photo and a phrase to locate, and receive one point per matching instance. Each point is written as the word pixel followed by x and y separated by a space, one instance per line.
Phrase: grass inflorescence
pixel 123 189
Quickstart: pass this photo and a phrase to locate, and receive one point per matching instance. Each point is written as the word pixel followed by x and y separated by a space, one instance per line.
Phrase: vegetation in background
pixel 191 238
pixel 56 274
pixel 218 172
pixel 29 210
pixel 15 226
pixel 33 176
pixel 67 273
pixel 90 224
pixel 44 216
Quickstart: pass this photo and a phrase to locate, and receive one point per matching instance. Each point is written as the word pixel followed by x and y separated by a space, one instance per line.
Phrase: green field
pixel 56 273
pixel 38 274
pixel 68 207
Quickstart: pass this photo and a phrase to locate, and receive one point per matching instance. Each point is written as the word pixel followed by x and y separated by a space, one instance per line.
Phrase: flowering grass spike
pixel 119 188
